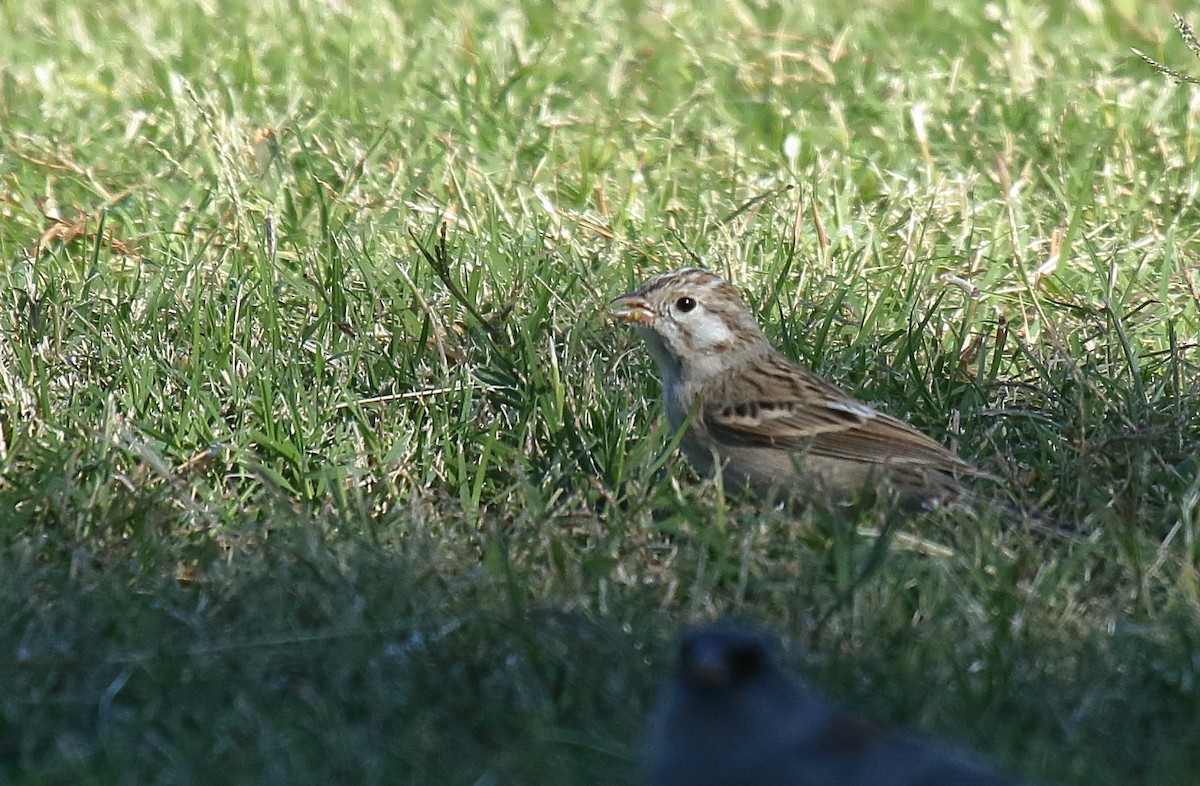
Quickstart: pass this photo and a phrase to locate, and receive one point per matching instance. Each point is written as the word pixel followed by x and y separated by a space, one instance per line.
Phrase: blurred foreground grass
pixel 276 506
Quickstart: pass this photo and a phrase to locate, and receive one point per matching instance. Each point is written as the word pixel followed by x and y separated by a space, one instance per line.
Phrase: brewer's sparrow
pixel 732 717
pixel 761 418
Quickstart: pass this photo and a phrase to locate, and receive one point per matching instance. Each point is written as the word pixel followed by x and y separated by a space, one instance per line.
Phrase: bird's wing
pixel 932 764
pixel 790 408
pixel 854 750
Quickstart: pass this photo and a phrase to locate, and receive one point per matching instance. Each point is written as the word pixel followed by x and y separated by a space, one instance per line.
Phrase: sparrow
pixel 761 419
pixel 732 717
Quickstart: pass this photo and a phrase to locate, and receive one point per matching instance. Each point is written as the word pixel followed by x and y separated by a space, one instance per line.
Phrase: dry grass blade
pixel 1189 38
pixel 1165 70
pixel 1187 34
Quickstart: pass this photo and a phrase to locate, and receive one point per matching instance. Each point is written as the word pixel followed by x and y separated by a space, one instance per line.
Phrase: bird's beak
pixel 709 667
pixel 631 308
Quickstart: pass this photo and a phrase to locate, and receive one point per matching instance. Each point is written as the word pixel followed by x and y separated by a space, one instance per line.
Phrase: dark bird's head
pixel 723 658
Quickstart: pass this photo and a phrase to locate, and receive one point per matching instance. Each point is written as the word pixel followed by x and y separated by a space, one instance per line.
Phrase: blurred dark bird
pixel 732 717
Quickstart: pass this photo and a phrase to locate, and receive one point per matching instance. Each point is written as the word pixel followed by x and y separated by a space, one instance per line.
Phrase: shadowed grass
pixel 283 500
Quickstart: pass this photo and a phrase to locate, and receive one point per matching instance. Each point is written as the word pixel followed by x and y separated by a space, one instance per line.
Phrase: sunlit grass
pixel 285 499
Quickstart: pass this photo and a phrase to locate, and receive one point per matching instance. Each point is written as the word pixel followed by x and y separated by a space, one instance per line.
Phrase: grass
pixel 281 500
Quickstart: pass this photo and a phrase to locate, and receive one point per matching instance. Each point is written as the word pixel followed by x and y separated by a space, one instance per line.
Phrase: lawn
pixel 292 493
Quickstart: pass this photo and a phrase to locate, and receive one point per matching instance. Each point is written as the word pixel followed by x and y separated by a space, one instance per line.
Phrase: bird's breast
pixel 678 401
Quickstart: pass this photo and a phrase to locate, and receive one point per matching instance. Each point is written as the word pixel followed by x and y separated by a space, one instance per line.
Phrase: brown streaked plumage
pixel 764 420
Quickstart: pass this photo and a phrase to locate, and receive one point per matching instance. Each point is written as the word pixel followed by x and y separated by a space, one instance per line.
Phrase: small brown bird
pixel 761 418
pixel 732 717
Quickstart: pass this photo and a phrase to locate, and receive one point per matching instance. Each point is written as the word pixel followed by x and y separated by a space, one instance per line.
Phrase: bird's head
pixel 692 321
pixel 715 659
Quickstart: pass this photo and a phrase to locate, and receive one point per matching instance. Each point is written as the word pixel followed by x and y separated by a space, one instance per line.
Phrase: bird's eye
pixel 745 661
pixel 685 304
